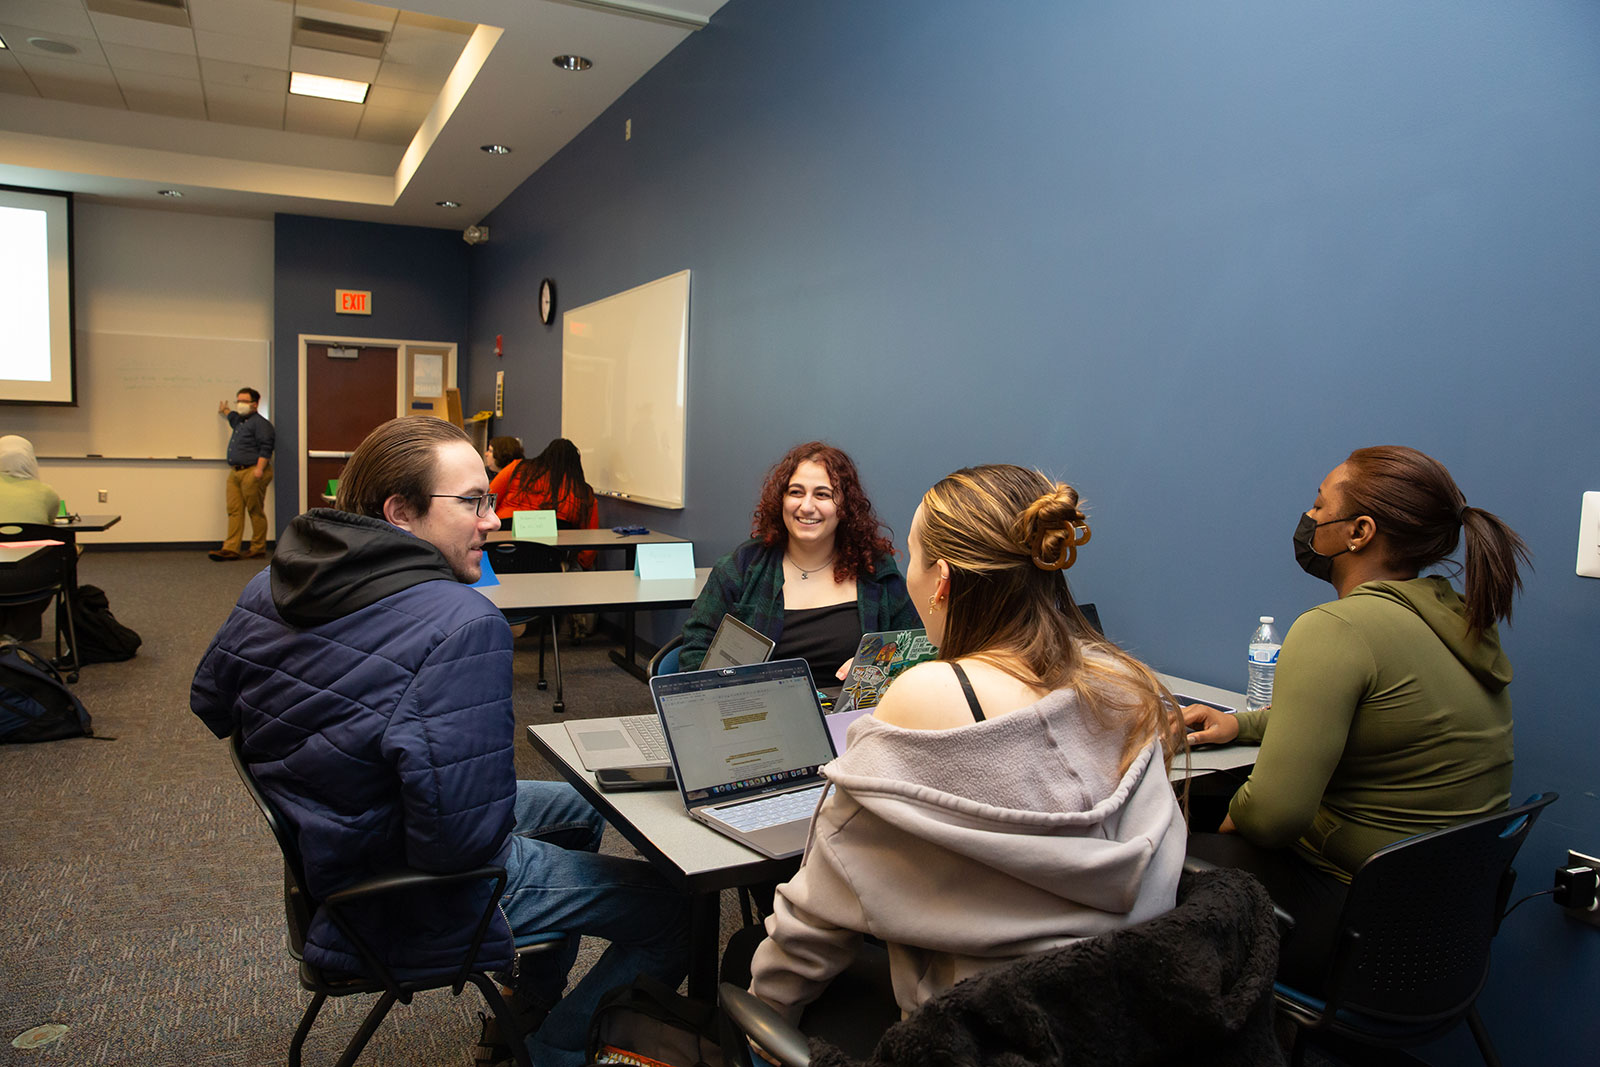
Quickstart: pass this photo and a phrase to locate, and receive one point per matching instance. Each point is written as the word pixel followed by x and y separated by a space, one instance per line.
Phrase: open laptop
pixel 636 740
pixel 746 744
pixel 879 659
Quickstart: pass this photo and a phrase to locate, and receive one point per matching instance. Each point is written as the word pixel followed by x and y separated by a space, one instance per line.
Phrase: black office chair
pixel 1192 987
pixel 532 557
pixel 1412 952
pixel 299 907
pixel 44 576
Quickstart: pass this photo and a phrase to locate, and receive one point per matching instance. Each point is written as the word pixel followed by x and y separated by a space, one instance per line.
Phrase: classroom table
pixel 560 592
pixel 603 540
pixel 702 862
pixel 69 531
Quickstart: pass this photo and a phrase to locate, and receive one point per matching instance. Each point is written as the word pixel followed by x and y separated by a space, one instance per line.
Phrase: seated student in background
pixel 502 454
pixel 816 574
pixel 1390 714
pixel 23 497
pixel 551 481
pixel 1006 799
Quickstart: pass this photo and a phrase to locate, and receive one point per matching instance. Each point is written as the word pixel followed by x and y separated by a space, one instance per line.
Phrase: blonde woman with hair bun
pixel 1005 799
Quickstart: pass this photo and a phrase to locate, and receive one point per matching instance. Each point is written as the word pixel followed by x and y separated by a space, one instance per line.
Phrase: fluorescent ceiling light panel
pixel 302 84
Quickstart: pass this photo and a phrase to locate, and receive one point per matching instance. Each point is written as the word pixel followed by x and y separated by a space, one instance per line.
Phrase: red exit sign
pixel 352 301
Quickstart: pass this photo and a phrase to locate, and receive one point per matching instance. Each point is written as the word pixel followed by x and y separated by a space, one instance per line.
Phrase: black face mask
pixel 1311 561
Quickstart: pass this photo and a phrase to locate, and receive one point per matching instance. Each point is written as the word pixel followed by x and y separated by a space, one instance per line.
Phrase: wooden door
pixel 350 391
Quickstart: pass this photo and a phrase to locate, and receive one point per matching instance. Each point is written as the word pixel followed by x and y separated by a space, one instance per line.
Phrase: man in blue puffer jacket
pixel 373 689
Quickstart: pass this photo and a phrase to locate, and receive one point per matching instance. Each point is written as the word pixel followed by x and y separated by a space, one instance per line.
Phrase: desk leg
pixel 705 944
pixel 628 660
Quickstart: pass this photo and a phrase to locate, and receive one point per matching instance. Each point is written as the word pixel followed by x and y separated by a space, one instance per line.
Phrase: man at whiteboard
pixel 249 474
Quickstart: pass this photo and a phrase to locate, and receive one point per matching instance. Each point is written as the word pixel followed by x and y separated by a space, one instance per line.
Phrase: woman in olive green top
pixel 1390 714
pixel 23 497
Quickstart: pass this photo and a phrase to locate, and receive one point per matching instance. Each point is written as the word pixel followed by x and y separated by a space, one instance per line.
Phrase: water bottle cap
pixel 1266 619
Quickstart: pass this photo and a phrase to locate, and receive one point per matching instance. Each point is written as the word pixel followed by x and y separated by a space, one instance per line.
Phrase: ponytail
pixel 1492 581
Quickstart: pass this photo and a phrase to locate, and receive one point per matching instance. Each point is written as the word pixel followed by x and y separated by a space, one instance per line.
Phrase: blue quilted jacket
pixel 374 691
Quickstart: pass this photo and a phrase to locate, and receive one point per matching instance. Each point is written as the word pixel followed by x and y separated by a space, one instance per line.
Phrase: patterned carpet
pixel 140 893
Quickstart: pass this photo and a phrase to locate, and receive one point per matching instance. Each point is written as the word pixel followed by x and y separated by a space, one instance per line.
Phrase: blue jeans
pixel 557 881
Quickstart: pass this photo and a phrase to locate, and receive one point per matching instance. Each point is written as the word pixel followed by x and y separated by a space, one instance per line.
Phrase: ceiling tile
pixel 162 103
pixel 17 37
pixel 13 79
pixel 245 107
pixel 387 127
pixel 79 90
pixel 48 16
pixel 244 76
pixel 125 57
pixel 114 29
pixel 415 21
pixel 332 64
pixel 330 118
pixel 146 82
pixel 256 51
pixel 42 66
pixel 385 98
pixel 243 18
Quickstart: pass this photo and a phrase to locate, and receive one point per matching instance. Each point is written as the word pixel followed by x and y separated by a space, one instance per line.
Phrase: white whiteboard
pixel 144 396
pixel 624 380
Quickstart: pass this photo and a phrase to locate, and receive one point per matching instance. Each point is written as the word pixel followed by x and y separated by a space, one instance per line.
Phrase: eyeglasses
pixel 480 504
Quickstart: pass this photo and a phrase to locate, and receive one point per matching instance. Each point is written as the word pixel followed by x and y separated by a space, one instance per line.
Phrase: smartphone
pixel 624 779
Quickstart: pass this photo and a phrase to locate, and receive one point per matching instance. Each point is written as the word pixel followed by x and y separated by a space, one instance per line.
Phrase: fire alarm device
pixel 499 349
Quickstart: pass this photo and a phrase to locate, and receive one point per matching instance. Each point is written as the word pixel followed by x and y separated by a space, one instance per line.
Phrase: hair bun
pixel 1051 529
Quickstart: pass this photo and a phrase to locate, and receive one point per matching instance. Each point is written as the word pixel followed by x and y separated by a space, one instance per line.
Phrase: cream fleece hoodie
pixel 967 848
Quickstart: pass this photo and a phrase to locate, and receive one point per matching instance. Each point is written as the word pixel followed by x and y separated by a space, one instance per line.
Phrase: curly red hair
pixel 859 542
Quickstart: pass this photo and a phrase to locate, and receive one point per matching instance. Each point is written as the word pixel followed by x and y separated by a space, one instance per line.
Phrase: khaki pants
pixel 246 492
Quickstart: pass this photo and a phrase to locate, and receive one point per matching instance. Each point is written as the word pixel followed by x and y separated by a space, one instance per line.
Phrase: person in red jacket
pixel 551 481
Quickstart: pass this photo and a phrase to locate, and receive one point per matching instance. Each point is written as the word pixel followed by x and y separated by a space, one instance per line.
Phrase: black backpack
pixel 101 638
pixel 648 1023
pixel 35 704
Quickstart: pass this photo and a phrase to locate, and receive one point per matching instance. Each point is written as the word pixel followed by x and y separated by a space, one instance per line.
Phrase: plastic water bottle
pixel 1264 646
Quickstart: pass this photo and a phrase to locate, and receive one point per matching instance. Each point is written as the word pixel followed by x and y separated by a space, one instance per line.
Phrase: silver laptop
pixel 746 744
pixel 635 740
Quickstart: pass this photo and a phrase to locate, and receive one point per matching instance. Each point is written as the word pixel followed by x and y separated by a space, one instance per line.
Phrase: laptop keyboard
pixel 645 730
pixel 771 811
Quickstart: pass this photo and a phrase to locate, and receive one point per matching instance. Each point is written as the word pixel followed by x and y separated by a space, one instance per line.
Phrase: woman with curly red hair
pixel 816 574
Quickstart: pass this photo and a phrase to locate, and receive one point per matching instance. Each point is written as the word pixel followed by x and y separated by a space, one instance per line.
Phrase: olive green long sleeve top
pixel 1387 720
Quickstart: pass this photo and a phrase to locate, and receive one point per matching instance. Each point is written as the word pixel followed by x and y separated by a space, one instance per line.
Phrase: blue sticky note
pixel 488 577
pixel 673 560
pixel 527 525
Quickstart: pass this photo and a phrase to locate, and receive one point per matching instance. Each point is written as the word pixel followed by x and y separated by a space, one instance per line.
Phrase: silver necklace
pixel 805 575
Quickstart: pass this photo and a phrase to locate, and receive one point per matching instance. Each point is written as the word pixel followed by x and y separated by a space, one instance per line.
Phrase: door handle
pixel 314 454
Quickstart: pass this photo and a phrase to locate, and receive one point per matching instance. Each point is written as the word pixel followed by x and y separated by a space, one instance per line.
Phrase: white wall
pixel 171 275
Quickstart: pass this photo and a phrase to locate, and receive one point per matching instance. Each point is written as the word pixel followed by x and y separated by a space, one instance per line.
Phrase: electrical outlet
pixel 1589 537
pixel 1578 859
pixel 104 495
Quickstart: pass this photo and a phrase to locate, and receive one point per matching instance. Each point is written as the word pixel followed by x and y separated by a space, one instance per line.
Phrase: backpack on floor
pixel 35 704
pixel 101 638
pixel 647 1024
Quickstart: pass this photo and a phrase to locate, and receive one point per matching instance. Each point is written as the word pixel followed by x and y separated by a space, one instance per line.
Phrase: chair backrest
pixel 523 557
pixel 1421 915
pixel 297 903
pixel 665 661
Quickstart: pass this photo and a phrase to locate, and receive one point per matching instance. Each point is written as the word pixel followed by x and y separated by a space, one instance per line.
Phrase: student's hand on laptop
pixel 844 672
pixel 1208 726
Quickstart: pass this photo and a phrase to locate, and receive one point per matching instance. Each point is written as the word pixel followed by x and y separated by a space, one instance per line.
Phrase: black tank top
pixel 966 687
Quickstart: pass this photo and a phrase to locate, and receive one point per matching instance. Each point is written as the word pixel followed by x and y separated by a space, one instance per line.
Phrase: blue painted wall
pixel 418 279
pixel 1186 256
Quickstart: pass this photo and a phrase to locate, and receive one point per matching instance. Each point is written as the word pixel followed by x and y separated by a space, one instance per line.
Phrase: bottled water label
pixel 1264 654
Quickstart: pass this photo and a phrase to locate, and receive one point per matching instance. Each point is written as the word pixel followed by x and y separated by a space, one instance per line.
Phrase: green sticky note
pixel 533 525
pixel 333 487
pixel 62 514
pixel 672 560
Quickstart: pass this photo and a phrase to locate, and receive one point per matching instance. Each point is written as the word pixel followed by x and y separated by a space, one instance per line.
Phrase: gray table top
pixel 593 591
pixel 700 858
pixel 11 554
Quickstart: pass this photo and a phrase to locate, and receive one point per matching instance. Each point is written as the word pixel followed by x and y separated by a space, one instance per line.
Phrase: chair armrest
pixel 760 1023
pixel 412 879
pixel 1196 865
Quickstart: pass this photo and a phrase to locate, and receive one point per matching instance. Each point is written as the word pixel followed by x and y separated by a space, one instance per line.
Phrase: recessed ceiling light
pixel 303 84
pixel 496 149
pixel 175 194
pixel 53 46
pixel 572 62
pixel 446 203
